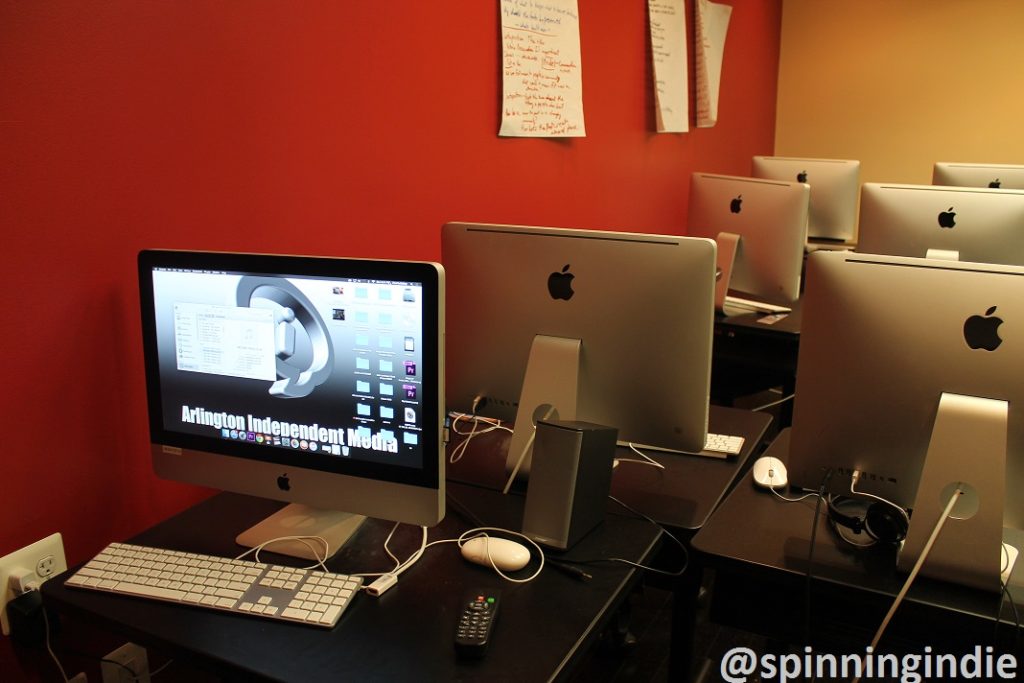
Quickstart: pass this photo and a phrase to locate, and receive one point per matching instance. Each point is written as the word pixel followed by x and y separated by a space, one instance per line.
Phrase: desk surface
pixel 407 634
pixel 681 496
pixel 763 543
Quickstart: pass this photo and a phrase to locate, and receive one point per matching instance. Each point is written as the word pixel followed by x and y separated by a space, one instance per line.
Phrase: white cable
pixel 305 540
pixel 647 460
pixel 49 648
pixel 917 567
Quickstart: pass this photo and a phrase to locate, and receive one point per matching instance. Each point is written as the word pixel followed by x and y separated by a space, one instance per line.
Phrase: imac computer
pixel 1006 176
pixel 315 381
pixel 909 374
pixel 835 188
pixel 761 230
pixel 928 221
pixel 611 328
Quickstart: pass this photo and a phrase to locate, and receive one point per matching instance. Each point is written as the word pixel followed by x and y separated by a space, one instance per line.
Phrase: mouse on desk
pixel 506 555
pixel 769 473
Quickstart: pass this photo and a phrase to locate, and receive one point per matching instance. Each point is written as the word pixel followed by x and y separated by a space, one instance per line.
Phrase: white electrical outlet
pixel 34 564
pixel 126 664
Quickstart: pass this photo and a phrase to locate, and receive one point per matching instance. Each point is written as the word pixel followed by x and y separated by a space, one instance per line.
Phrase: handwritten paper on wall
pixel 668 52
pixel 712 25
pixel 542 83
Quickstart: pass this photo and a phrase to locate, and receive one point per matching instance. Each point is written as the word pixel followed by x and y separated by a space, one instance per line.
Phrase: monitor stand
pixel 550 392
pixel 728 246
pixel 943 254
pixel 302 520
pixel 967 450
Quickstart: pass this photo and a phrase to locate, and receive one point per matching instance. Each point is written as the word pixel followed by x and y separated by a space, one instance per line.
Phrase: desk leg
pixel 685 595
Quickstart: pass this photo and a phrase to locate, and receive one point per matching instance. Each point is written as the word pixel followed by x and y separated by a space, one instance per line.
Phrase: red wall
pixel 316 127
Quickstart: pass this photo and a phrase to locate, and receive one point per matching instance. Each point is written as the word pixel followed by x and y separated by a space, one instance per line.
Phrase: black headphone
pixel 882 521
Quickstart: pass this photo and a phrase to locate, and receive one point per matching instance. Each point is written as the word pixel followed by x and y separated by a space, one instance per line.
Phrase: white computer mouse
pixel 507 555
pixel 769 473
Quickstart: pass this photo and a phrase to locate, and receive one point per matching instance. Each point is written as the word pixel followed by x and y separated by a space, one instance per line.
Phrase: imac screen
pixel 959 223
pixel 309 380
pixel 769 217
pixel 640 306
pixel 835 188
pixel 1005 176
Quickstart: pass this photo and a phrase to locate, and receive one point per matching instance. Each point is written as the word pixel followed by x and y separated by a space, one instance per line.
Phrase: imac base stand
pixel 967 452
pixel 550 392
pixel 301 520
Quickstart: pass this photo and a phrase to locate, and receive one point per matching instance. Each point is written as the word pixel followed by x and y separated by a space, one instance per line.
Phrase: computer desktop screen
pixel 633 314
pixel 770 218
pixel 835 188
pixel 883 339
pixel 316 381
pixel 1006 176
pixel 961 223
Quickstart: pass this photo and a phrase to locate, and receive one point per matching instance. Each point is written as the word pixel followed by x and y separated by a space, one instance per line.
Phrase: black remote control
pixel 476 621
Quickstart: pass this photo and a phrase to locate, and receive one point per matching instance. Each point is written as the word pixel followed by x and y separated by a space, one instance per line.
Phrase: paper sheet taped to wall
pixel 667 19
pixel 712 25
pixel 542 82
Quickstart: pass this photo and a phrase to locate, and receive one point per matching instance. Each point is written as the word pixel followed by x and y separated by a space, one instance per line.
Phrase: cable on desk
pixel 1005 591
pixel 917 567
pixel 460 449
pixel 773 403
pixel 810 555
pixel 682 546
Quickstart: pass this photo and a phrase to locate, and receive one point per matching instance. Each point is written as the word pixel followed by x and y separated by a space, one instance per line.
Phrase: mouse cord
pixel 810 555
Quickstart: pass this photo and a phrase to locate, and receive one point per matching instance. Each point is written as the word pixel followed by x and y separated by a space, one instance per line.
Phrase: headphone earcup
pixel 884 523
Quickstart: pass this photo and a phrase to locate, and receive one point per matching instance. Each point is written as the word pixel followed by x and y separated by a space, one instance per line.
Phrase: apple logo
pixel 736 204
pixel 995 184
pixel 560 284
pixel 801 177
pixel 982 331
pixel 283 483
pixel 947 218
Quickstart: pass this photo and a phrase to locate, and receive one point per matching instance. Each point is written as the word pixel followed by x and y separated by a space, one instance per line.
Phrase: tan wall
pixel 900 84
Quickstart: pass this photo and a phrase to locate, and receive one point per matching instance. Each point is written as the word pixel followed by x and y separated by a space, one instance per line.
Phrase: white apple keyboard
pixel 245 587
pixel 735 305
pixel 724 443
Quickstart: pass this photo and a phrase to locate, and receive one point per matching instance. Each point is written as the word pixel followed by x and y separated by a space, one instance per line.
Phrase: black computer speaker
pixel 570 478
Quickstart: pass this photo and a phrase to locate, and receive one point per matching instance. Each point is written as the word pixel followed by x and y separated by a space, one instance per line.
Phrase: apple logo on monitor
pixel 947 219
pixel 801 177
pixel 560 284
pixel 283 483
pixel 736 205
pixel 995 184
pixel 982 331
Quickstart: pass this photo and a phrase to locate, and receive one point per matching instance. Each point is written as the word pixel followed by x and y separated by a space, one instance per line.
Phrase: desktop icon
pixel 410 343
pixel 410 368
pixel 314 446
pixel 410 391
pixel 982 331
pixel 560 284
pixel 410 414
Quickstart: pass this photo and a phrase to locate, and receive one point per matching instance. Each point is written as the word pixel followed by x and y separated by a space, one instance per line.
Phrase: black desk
pixel 406 634
pixel 750 355
pixel 682 497
pixel 758 546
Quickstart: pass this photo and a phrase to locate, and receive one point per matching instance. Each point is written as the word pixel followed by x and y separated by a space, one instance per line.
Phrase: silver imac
pixel 909 373
pixel 958 223
pixel 761 230
pixel 835 189
pixel 1005 176
pixel 608 327
pixel 315 381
